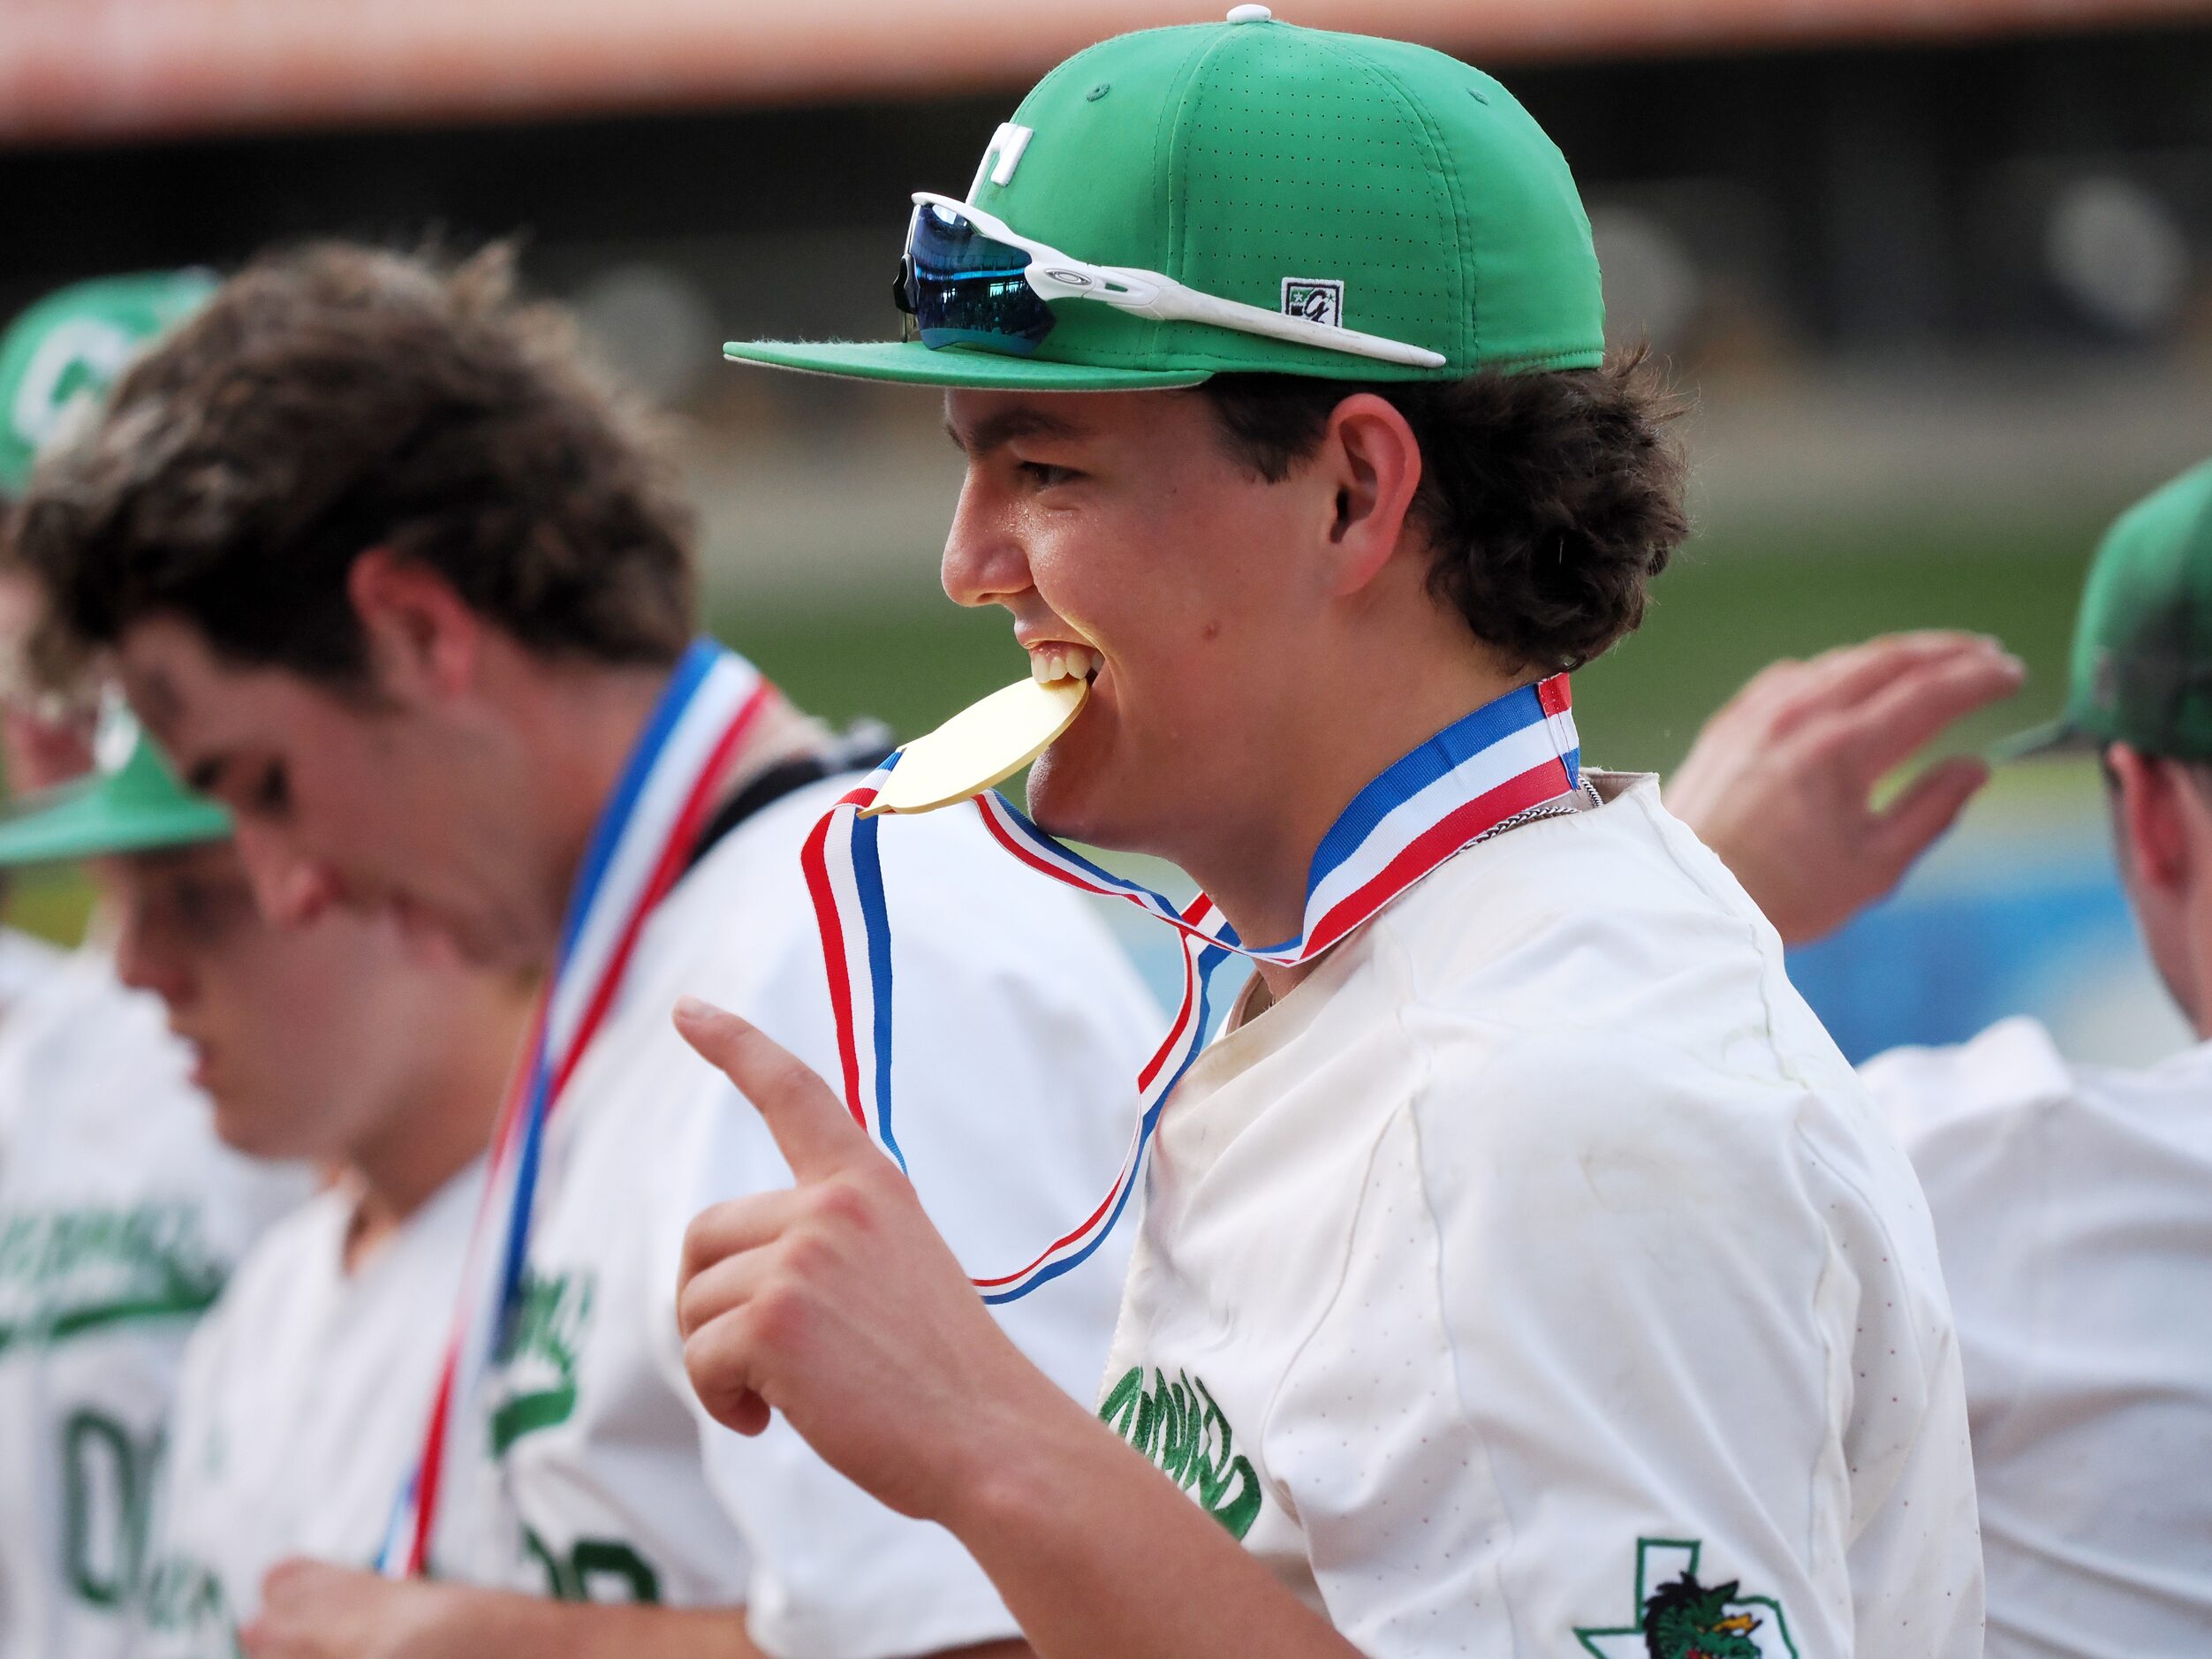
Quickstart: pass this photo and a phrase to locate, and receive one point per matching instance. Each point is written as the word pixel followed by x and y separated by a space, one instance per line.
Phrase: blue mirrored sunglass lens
pixel 967 289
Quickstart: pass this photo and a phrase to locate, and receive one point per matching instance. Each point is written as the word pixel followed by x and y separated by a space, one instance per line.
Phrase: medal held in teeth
pixel 984 744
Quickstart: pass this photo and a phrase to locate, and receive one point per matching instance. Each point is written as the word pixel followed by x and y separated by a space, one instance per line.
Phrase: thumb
pixel 1930 805
pixel 813 1129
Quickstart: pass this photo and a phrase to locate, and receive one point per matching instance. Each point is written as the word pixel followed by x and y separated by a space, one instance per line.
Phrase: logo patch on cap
pixel 1316 298
pixel 67 376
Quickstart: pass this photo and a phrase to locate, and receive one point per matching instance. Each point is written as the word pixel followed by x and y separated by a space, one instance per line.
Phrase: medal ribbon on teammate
pixel 641 845
pixel 1509 756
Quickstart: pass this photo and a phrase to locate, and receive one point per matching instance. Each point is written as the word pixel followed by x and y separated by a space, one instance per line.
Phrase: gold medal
pixel 981 745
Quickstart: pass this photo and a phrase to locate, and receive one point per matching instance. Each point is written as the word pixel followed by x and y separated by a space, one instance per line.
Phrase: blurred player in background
pixel 1527 1274
pixel 56 360
pixel 334 1044
pixel 121 1215
pixel 2073 1204
pixel 431 636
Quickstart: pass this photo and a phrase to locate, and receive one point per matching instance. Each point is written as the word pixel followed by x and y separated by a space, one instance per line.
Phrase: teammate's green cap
pixel 131 802
pixel 64 352
pixel 2142 668
pixel 1377 186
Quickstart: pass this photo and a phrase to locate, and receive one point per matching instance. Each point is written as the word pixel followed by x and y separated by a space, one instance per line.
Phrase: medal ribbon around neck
pixel 1507 757
pixel 639 847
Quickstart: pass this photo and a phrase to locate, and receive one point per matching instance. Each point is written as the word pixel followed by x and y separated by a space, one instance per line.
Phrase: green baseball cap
pixel 131 802
pixel 1368 184
pixel 62 354
pixel 2141 669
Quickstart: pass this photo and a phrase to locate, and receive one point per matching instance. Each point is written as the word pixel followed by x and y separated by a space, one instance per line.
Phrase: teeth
pixel 1051 662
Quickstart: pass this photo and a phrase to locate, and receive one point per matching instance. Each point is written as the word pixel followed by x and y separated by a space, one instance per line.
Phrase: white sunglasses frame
pixel 1052 275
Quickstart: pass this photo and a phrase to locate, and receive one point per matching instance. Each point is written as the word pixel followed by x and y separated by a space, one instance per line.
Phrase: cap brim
pixel 2054 736
pixel 84 820
pixel 909 362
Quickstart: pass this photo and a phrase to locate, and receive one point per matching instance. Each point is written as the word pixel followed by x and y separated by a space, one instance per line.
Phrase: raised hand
pixel 1780 782
pixel 835 1301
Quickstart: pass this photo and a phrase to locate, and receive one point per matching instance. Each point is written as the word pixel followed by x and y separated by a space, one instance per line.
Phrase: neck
pixel 1257 871
pixel 578 726
pixel 440 1113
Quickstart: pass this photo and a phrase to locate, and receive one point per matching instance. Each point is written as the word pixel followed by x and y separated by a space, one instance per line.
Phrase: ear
pixel 2152 813
pixel 1375 463
pixel 423 639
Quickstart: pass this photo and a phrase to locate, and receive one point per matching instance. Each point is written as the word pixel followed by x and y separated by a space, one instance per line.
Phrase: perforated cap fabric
pixel 1375 185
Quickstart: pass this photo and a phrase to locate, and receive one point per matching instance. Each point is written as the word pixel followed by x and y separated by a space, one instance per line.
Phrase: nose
pixel 288 890
pixel 142 961
pixel 984 562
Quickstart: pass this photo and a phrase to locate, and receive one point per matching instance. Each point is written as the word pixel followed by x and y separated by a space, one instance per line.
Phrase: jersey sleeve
pixel 1588 1376
pixel 1011 1100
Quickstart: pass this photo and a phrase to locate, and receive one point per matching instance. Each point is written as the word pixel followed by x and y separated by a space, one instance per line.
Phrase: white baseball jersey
pixel 2074 1208
pixel 120 1217
pixel 1019 1030
pixel 27 963
pixel 299 1411
pixel 1536 1278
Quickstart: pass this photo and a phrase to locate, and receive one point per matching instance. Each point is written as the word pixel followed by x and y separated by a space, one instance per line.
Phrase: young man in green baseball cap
pixel 2073 1203
pixel 1524 1270
pixel 121 1213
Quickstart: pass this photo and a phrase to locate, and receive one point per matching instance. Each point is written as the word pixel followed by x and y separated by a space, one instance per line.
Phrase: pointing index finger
pixel 813 1129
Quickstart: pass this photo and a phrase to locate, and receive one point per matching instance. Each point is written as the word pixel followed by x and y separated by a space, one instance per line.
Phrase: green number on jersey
pixel 107 1481
pixel 597 1569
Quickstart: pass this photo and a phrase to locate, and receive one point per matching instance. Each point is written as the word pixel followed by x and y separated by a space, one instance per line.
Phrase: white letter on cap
pixel 1007 145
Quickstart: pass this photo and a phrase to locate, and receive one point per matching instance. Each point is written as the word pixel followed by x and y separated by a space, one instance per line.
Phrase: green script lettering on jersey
pixel 66 1272
pixel 535 1384
pixel 1175 1423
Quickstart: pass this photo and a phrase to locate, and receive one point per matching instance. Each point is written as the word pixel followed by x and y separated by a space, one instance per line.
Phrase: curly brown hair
pixel 337 398
pixel 1549 500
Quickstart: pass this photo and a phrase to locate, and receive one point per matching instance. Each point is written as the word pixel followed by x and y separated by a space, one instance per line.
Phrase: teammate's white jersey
pixel 1536 1271
pixel 27 963
pixel 120 1217
pixel 299 1411
pixel 1020 1027
pixel 2074 1208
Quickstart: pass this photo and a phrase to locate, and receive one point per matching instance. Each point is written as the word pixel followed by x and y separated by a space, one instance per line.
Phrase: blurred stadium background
pixel 1935 275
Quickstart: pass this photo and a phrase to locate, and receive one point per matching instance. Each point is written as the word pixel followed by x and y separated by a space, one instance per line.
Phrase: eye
pixel 271 793
pixel 1043 475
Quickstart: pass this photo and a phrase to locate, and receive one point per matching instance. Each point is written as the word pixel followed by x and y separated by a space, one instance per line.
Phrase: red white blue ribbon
pixel 639 847
pixel 1506 758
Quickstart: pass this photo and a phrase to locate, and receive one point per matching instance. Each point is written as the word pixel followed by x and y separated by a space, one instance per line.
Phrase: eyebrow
pixel 996 431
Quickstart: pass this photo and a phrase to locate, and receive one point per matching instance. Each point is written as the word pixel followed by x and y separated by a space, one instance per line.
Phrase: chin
pixel 243 1132
pixel 1077 800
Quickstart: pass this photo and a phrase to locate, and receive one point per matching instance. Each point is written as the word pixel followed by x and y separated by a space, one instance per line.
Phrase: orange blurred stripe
pixel 90 68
